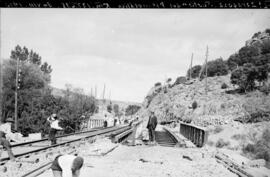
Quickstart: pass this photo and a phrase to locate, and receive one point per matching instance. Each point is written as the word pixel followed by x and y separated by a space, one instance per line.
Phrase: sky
pixel 129 50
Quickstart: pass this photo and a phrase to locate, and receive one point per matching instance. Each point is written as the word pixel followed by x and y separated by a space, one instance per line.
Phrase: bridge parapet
pixel 95 123
pixel 198 135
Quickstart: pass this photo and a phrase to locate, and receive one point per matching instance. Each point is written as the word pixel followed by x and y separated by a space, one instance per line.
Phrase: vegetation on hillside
pixel 132 109
pixel 249 65
pixel 245 72
pixel 35 99
pixel 261 147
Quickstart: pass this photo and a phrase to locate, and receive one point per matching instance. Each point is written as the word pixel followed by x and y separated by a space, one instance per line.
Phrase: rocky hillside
pixel 222 104
pixel 258 38
pixel 217 107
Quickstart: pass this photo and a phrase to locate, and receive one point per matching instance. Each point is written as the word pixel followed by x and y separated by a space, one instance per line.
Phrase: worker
pixel 6 135
pixel 54 127
pixel 151 126
pixel 114 122
pixel 105 124
pixel 67 166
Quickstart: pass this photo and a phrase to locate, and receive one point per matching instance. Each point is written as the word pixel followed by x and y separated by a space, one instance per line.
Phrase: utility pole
pixel 103 96
pixel 91 92
pixel 1 78
pixel 1 89
pixel 190 67
pixel 96 91
pixel 110 95
pixel 16 95
pixel 206 57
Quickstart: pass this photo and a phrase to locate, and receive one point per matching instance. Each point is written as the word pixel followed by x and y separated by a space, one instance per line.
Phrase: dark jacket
pixel 152 122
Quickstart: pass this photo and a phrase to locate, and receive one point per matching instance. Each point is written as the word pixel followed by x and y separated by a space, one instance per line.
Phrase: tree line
pixel 35 99
pixel 247 66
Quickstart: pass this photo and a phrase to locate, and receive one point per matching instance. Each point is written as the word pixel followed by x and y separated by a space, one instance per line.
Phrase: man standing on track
pixel 54 127
pixel 67 166
pixel 151 126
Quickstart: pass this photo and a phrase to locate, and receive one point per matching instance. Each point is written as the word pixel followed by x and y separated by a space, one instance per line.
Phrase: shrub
pixel 221 143
pixel 265 89
pixel 217 67
pixel 260 149
pixel 194 105
pixel 244 77
pixel 267 31
pixel 157 84
pixel 249 148
pixel 180 80
pixel 224 86
pixel 195 71
pixel 132 109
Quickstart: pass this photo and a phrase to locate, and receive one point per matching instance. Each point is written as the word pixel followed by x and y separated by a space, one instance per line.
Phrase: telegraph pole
pixel 190 67
pixel 91 92
pixel 206 56
pixel 110 95
pixel 96 91
pixel 16 95
pixel 103 96
pixel 1 90
pixel 1 78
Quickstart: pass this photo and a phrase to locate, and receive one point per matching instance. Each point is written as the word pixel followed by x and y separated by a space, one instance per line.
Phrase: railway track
pixel 22 149
pixel 166 137
pixel 38 155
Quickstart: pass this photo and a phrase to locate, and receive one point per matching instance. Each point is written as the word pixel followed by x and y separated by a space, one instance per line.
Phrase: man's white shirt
pixel 55 125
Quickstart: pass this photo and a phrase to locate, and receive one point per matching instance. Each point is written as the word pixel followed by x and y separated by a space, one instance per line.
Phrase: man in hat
pixel 6 135
pixel 151 126
pixel 54 127
pixel 67 166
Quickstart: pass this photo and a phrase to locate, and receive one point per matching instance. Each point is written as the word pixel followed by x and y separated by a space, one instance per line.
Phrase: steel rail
pixel 179 142
pixel 95 133
pixel 46 139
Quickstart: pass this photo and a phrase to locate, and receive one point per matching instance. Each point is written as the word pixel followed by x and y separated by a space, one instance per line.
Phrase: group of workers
pixel 64 165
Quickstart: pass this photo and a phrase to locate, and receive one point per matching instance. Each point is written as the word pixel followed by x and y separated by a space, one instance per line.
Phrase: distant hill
pixel 122 104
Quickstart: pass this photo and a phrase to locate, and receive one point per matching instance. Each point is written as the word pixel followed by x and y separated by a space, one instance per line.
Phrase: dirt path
pixel 152 161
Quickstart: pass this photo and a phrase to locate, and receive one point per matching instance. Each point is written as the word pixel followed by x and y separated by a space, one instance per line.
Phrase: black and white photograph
pixel 134 92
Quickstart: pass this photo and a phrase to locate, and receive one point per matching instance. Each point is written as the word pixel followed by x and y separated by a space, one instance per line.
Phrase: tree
pixel 268 31
pixel 233 62
pixel 116 109
pixel 244 77
pixel 217 67
pixel 46 68
pixel 262 64
pixel 247 53
pixel 109 108
pixel 157 84
pixel 195 71
pixel 35 99
pixel 180 80
pixel 132 109
pixel 265 47
pixel 31 57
